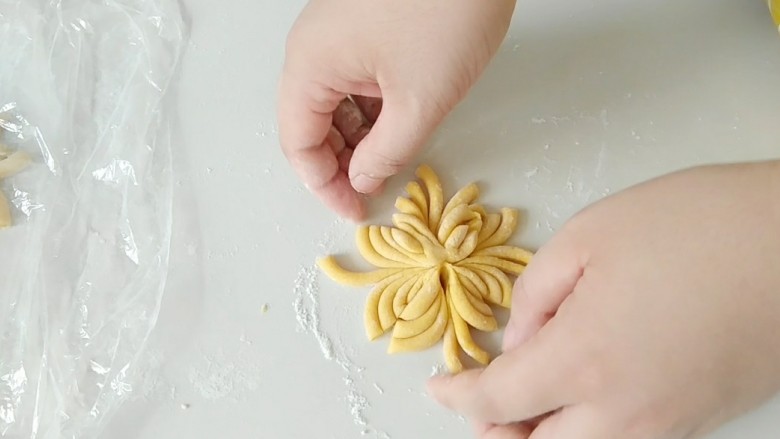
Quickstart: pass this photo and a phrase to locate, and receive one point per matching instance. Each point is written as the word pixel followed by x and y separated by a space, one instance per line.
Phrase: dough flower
pixel 438 270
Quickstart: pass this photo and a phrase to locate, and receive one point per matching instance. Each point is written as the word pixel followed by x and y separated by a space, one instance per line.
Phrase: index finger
pixel 305 117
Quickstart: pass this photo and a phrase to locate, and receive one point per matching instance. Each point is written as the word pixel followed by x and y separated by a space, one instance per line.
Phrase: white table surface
pixel 585 98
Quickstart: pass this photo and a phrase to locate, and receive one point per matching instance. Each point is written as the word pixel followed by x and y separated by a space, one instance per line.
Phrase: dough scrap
pixel 10 163
pixel 438 270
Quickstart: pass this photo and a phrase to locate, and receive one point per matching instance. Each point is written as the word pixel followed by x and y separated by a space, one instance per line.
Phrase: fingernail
pixel 365 184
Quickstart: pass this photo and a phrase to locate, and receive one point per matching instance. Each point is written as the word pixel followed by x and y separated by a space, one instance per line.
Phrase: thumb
pixel 517 386
pixel 548 280
pixel 400 132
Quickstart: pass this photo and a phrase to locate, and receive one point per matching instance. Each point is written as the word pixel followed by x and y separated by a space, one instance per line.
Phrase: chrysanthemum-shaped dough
pixel 438 270
pixel 10 164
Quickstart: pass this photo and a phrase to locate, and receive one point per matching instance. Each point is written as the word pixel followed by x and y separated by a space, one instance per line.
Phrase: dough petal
pixel 504 230
pixel 508 253
pixel 463 197
pixel 424 298
pixel 464 307
pixel 499 287
pixel 418 197
pixel 452 349
pixel 435 195
pixel 370 253
pixel 371 319
pixel 464 337
pixel 425 339
pixel 336 272
pixel 387 316
pixel 411 328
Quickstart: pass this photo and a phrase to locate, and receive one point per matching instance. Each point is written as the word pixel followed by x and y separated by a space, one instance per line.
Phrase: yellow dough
pixel 10 164
pixel 438 271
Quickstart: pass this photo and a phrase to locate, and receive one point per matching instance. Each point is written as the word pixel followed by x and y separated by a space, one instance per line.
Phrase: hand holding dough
pixel 438 270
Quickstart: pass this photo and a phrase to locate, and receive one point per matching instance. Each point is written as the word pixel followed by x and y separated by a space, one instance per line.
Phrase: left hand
pixel 406 63
pixel 652 314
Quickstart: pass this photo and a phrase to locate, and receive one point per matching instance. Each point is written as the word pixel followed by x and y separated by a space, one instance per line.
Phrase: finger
pixel 379 190
pixel 511 431
pixel 532 423
pixel 350 122
pixel 547 281
pixel 304 123
pixel 571 422
pixel 339 196
pixel 304 127
pixel 481 428
pixel 344 157
pixel 399 133
pixel 371 107
pixel 517 386
pixel 335 140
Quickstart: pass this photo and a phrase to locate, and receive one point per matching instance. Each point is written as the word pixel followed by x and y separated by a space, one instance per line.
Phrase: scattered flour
pixel 437 369
pixel 216 377
pixel 307 308
pixel 244 339
pixel 306 303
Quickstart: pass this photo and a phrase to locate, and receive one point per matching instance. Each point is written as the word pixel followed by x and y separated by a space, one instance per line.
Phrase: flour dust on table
pixel 217 377
pixel 306 304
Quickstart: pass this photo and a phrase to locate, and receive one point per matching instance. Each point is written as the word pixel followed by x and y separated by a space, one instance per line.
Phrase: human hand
pixel 408 63
pixel 652 314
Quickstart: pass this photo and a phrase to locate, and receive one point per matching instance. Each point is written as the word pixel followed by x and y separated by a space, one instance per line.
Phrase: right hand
pixel 407 63
pixel 651 314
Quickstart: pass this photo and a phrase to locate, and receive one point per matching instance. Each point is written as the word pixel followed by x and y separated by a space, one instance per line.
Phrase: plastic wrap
pixel 83 91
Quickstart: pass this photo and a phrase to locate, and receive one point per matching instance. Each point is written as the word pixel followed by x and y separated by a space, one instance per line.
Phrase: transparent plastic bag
pixel 83 91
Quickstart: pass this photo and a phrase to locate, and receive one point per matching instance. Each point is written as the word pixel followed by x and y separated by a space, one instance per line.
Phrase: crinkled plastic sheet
pixel 83 90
